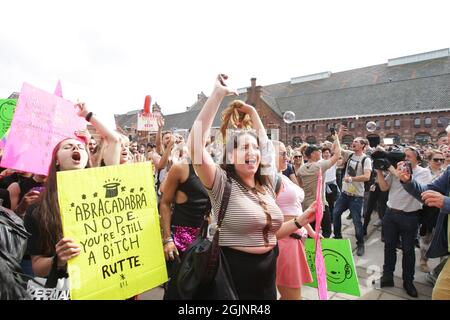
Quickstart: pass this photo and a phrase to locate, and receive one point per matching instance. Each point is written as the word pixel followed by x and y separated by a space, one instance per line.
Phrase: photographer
pixel 401 219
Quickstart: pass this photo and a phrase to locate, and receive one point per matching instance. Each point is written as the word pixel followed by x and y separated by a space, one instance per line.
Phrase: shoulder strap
pixel 362 162
pixel 277 183
pixel 212 261
pixel 225 200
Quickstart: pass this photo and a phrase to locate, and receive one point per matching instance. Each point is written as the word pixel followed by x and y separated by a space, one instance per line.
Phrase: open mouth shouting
pixel 76 157
pixel 251 162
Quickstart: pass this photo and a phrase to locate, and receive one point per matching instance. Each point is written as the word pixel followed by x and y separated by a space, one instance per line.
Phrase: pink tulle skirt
pixel 292 267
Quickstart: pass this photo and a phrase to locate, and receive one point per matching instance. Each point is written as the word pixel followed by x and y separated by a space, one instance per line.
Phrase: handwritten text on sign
pixel 147 122
pixel 41 120
pixel 111 213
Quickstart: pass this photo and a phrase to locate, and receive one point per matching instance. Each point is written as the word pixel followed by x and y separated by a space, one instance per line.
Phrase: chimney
pixel 254 93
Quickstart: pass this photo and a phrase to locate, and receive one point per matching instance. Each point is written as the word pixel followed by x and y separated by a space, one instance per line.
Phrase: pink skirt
pixel 292 267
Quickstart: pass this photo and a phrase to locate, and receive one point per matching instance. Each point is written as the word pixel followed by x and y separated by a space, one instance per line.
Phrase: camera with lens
pixel 383 159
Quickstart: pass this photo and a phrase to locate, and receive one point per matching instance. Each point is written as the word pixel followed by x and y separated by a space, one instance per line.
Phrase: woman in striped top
pixel 252 221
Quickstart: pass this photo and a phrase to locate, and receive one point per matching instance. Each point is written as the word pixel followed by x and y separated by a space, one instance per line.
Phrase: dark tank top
pixel 191 213
pixel 26 184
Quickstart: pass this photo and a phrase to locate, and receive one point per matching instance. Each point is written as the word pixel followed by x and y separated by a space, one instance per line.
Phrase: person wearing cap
pixel 309 175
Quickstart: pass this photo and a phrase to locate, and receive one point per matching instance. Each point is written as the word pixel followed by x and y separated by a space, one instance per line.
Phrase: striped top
pixel 290 197
pixel 245 219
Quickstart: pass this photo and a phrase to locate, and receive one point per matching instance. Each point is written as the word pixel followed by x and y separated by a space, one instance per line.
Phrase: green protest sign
pixel 7 108
pixel 339 265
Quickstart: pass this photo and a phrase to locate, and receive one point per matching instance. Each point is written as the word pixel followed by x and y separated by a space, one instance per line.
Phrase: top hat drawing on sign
pixel 112 189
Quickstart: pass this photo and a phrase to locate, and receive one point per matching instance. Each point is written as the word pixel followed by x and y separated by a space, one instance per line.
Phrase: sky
pixel 111 54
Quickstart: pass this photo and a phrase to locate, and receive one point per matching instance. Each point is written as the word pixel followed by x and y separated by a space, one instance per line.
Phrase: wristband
pixel 89 116
pixel 350 180
pixel 167 240
pixel 297 224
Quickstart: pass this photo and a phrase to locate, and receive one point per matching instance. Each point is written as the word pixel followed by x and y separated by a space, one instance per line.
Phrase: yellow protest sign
pixel 111 212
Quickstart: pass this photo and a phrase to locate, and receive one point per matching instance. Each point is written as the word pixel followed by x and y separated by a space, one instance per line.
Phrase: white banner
pixel 147 122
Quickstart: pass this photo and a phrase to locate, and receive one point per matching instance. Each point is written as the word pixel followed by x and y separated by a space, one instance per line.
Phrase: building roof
pixel 421 86
pixel 381 89
pixel 185 120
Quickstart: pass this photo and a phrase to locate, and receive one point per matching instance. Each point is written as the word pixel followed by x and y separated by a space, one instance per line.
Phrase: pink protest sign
pixel 320 264
pixel 41 120
pixel 58 89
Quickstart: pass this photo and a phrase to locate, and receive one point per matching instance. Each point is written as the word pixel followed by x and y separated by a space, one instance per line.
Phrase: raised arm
pixel 337 149
pixel 437 189
pixel 159 146
pixel 112 150
pixel 201 159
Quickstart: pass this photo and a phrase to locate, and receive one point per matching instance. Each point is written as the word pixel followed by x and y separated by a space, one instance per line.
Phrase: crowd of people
pixel 271 208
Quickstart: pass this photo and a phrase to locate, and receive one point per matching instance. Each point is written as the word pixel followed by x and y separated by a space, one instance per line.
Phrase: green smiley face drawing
pixel 338 269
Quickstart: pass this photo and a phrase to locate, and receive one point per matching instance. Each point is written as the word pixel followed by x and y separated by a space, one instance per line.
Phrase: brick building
pixel 408 98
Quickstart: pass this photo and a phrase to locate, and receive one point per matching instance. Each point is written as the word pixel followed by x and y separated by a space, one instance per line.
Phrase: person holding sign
pixel 292 266
pixel 47 245
pixel 252 221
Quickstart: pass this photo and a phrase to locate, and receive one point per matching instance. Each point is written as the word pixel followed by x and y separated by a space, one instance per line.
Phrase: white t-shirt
pixel 353 169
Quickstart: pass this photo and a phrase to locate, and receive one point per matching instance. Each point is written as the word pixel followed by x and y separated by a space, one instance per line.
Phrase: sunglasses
pixel 438 160
pixel 283 154
pixel 298 157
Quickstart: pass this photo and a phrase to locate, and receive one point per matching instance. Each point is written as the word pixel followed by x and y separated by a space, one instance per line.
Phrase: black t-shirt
pixel 26 184
pixel 32 226
pixel 6 181
pixel 289 170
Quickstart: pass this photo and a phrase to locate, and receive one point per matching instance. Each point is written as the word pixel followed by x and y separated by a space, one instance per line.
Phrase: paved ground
pixel 369 268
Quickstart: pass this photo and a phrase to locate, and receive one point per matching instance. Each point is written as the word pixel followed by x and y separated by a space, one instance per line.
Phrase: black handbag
pixel 13 243
pixel 204 271
pixel 13 235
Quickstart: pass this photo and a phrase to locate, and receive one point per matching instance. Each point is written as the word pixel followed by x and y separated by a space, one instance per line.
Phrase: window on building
pixel 427 122
pixel 378 124
pixel 397 123
pixel 387 124
pixel 311 140
pixel 442 122
pixel 395 137
pixel 314 127
pixel 296 141
pixel 307 127
pixel 416 122
pixel 423 138
pixel 352 125
pixel 328 127
pixel 293 129
pixel 347 139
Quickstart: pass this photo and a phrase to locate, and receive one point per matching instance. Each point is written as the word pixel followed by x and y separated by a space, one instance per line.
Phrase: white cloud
pixel 113 53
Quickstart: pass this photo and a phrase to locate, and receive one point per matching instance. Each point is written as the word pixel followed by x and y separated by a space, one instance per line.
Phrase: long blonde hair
pixel 233 119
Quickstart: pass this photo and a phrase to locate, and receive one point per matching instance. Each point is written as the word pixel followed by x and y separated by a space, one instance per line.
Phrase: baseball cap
pixel 310 149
